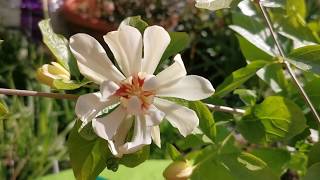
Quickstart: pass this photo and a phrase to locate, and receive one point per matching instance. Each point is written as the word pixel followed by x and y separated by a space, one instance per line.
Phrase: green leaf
pixel 296 8
pixel 273 75
pixel 253 31
pixel 276 118
pixel 298 162
pixel 179 41
pixel 276 159
pixel 214 5
pixel 306 58
pixel 314 154
pixel 237 78
pixel 59 47
pixel 88 158
pixel 62 85
pixel 175 155
pixel 3 109
pixel 206 121
pixel 251 52
pixel 252 129
pixel 1 41
pixel 133 160
pixel 251 162
pixel 313 172
pixel 312 89
pixel 137 22
pixel 281 118
pixel 248 97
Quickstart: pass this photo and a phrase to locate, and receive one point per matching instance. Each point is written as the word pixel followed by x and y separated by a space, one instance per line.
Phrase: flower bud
pixel 178 170
pixel 50 72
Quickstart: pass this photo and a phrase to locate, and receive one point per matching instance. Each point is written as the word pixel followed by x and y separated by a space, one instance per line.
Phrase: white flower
pixel 213 5
pixel 137 91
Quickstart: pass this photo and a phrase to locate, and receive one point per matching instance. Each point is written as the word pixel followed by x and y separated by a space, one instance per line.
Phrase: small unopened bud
pixel 50 72
pixel 178 170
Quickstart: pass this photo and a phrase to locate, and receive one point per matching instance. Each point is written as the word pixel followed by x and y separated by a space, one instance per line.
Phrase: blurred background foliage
pixel 34 131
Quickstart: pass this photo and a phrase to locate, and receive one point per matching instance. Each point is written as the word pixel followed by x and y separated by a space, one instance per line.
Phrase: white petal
pixel 154 116
pixel 190 88
pixel 155 134
pixel 89 105
pixel 108 88
pixel 141 136
pixel 120 137
pixel 180 117
pixel 92 59
pixel 126 46
pixel 107 126
pixel 168 76
pixel 155 41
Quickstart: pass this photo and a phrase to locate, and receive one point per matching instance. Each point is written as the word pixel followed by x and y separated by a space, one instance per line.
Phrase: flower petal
pixel 89 105
pixel 155 40
pixel 155 134
pixel 190 88
pixel 119 138
pixel 154 116
pixel 126 46
pixel 107 126
pixel 92 59
pixel 141 137
pixel 180 117
pixel 168 76
pixel 108 88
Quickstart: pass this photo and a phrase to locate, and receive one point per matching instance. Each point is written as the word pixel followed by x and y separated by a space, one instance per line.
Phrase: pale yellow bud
pixel 178 170
pixel 50 72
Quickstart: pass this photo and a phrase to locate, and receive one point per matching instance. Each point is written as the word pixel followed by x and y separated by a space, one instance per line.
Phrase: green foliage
pixel 175 155
pixel 237 78
pixel 248 97
pixel 179 41
pixel 133 160
pixel 59 47
pixel 137 22
pixel 60 84
pixel 3 109
pixel 88 157
pixel 313 172
pixel 276 118
pixel 306 58
pixel 314 154
pixel 206 121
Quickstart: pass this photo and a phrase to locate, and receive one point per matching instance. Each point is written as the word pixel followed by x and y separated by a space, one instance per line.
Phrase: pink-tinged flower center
pixel 132 87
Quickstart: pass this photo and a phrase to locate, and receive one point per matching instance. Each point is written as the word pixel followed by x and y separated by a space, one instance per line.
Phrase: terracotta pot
pixel 81 21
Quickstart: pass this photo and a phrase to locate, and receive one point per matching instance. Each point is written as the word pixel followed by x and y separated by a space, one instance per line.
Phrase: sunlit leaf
pixel 306 58
pixel 251 162
pixel 237 78
pixel 213 5
pixel 59 47
pixel 281 118
pixel 62 85
pixel 247 96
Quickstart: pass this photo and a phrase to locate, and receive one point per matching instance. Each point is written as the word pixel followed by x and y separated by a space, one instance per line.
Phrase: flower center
pixel 131 94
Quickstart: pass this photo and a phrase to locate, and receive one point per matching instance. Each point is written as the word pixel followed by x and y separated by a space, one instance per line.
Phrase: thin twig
pixel 16 92
pixel 226 109
pixel 286 63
